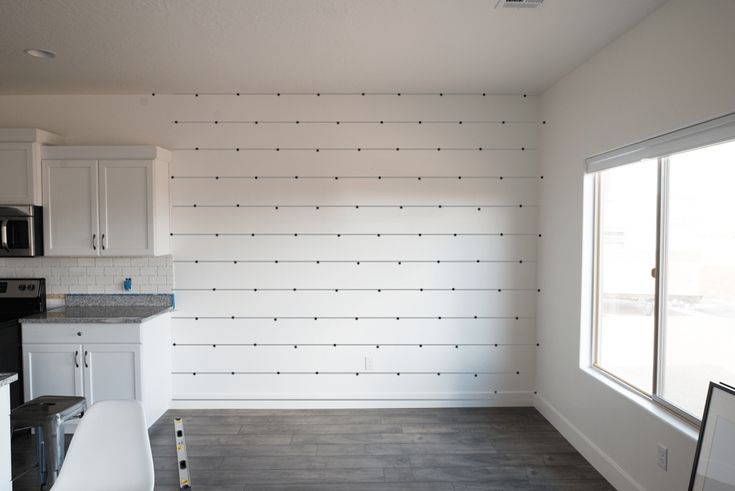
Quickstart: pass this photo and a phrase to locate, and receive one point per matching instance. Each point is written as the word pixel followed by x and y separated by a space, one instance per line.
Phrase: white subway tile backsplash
pixel 94 275
pixel 69 280
pixel 103 280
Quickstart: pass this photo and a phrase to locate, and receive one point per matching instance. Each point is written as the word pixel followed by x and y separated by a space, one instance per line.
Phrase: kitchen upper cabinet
pixel 106 201
pixel 126 207
pixel 20 164
pixel 70 207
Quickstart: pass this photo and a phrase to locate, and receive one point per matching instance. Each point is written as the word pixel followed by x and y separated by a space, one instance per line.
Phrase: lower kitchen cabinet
pixel 111 371
pixel 101 362
pixel 52 369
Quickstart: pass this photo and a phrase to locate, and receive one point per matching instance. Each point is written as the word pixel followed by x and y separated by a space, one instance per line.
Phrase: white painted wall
pixel 431 338
pixel 674 69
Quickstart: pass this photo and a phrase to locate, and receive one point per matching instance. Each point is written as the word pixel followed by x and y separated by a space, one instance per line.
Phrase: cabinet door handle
pixel 86 359
pixel 76 358
pixel 94 241
pixel 104 242
pixel 4 235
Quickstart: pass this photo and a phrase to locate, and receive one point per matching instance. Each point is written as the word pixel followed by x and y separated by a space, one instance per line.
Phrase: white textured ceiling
pixel 125 46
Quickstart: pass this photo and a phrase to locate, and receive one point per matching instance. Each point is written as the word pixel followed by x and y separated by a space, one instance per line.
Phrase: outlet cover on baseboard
pixel 662 457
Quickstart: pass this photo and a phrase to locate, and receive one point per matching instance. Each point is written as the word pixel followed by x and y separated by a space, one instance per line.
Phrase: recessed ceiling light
pixel 41 53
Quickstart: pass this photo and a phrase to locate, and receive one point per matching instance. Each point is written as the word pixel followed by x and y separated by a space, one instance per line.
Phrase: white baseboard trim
pixel 601 461
pixel 341 404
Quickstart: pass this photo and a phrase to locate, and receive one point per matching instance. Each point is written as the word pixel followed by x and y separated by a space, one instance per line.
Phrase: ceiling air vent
pixel 518 4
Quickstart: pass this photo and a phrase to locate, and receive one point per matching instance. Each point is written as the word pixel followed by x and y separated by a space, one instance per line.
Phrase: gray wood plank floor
pixel 370 449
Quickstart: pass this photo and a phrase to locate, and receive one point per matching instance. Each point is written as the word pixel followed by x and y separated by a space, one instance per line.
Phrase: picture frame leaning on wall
pixel 714 461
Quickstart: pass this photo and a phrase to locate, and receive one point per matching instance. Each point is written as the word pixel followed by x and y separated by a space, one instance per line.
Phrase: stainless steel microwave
pixel 21 231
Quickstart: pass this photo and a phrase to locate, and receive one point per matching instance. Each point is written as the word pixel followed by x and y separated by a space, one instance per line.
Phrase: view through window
pixel 627 247
pixel 678 212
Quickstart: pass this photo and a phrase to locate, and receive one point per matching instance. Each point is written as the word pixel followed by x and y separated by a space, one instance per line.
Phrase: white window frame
pixel 711 132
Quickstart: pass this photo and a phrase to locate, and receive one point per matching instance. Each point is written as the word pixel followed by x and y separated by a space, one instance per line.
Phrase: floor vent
pixel 518 4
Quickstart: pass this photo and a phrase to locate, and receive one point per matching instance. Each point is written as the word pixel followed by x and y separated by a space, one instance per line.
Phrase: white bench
pixel 110 451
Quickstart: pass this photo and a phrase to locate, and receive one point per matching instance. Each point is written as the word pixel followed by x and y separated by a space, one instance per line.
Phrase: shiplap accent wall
pixel 318 261
pixel 400 318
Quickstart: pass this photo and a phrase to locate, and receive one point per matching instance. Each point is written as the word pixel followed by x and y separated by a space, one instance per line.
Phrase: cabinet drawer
pixel 81 333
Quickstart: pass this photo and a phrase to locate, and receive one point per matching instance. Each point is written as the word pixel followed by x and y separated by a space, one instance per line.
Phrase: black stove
pixel 19 297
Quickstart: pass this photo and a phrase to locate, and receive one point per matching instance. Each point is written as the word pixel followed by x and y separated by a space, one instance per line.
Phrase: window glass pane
pixel 626 288
pixel 698 325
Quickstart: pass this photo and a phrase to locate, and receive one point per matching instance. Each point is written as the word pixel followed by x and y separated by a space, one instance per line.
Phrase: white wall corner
pixel 601 461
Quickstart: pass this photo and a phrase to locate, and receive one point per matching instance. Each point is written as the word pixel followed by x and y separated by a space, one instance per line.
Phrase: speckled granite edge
pixel 7 378
pixel 127 300
pixel 99 314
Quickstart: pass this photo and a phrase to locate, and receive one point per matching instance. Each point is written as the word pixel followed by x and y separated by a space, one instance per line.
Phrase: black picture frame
pixel 706 431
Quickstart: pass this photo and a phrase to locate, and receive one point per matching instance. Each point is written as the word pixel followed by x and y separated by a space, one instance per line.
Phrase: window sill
pixel 677 423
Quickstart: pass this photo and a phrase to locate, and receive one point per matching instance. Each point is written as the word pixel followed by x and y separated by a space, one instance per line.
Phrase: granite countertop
pixel 92 315
pixel 7 378
pixel 104 309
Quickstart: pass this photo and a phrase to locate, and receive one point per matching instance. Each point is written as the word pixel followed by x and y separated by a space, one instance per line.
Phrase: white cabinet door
pixel 6 471
pixel 111 371
pixel 52 369
pixel 70 207
pixel 16 169
pixel 126 207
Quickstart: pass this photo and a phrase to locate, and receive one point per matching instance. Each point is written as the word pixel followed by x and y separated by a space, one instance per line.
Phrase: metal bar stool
pixel 47 415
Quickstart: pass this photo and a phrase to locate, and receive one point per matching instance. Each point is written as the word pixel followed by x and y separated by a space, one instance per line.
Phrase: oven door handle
pixel 4 235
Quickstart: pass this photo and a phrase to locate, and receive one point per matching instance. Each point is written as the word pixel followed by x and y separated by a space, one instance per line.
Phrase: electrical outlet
pixel 662 457
pixel 369 365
